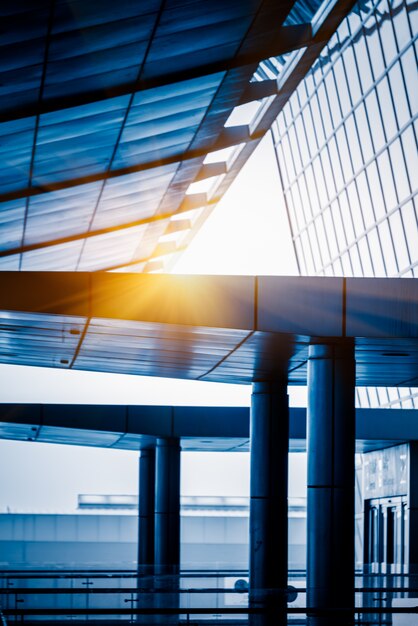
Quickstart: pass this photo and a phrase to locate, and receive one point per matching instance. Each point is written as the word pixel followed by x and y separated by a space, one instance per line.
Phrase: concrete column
pixel 167 506
pixel 269 436
pixel 331 476
pixel 146 501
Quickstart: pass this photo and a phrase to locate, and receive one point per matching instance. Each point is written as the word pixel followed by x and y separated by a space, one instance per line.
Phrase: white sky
pixel 58 473
pixel 247 233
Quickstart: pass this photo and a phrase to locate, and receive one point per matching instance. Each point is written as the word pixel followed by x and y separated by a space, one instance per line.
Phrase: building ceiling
pixel 123 124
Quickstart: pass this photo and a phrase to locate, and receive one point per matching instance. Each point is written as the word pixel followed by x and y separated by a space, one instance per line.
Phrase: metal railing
pixel 194 596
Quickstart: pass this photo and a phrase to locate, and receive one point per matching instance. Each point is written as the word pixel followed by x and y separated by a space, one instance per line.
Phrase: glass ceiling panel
pixel 16 140
pixel 10 263
pixel 81 142
pixel 11 223
pixel 204 42
pixel 61 213
pixel 110 249
pixel 102 54
pixel 132 197
pixel 22 46
pixel 186 88
pixel 61 258
pixel 74 14
pixel 169 145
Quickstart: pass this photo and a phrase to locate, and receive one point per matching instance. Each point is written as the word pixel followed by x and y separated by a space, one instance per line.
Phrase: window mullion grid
pixel 360 101
pixel 320 216
pixel 380 221
pixel 296 182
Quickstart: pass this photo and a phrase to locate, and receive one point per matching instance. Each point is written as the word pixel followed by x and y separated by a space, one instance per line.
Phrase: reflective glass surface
pixel 347 151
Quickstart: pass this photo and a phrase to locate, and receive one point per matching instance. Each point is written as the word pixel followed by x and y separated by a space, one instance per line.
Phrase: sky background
pixel 247 233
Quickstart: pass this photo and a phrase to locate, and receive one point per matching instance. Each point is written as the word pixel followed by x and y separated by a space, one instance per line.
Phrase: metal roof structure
pixel 199 428
pixel 227 329
pixel 112 112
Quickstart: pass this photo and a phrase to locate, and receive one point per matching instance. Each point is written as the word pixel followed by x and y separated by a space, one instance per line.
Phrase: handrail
pixel 150 590
pixel 314 611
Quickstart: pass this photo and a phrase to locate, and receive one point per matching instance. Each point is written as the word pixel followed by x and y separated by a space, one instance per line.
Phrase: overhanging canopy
pixel 199 428
pixel 234 329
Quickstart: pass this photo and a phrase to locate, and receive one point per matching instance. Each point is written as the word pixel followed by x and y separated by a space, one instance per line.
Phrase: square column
pixel 269 446
pixel 331 477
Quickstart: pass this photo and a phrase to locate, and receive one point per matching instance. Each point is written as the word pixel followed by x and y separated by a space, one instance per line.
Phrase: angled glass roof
pixel 108 112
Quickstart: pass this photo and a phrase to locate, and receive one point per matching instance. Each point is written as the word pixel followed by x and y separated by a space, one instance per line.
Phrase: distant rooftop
pixel 208 506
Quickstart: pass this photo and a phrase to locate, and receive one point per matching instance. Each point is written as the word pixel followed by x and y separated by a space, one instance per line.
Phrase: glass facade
pixel 346 145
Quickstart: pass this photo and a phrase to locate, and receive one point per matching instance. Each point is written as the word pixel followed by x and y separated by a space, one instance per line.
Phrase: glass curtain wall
pixel 346 145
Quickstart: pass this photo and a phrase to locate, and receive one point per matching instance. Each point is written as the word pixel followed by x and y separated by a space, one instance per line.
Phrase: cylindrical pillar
pixel 331 474
pixel 167 506
pixel 146 501
pixel 269 444
pixel 167 527
pixel 146 506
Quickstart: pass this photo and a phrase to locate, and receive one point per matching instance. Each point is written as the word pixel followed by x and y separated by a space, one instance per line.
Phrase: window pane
pixel 409 67
pixel 336 166
pixel 339 226
pixel 375 121
pixel 387 180
pixel 388 114
pixel 365 257
pixel 398 236
pixel 346 217
pixel 364 132
pixel 322 240
pixel 409 217
pixel 375 50
pixel 399 170
pixel 353 143
pixel 385 238
pixel 344 154
pixel 354 204
pixel 398 90
pixel 329 229
pixel 378 201
pixel 376 253
pixel 352 75
pixel 365 201
pixel 355 261
pixel 411 154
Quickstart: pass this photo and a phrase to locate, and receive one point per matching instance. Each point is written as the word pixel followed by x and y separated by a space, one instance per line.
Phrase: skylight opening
pixel 226 154
pixel 243 114
pixel 186 215
pixel 202 186
pixel 220 155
